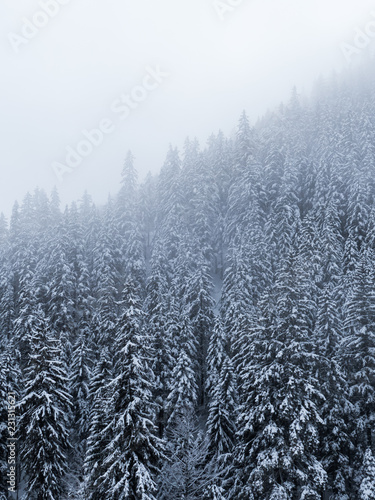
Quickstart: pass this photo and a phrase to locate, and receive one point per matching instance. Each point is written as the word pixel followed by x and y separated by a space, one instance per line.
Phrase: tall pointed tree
pixel 44 410
pixel 132 455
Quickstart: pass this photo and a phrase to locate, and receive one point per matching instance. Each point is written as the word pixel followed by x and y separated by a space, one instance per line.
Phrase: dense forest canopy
pixel 209 333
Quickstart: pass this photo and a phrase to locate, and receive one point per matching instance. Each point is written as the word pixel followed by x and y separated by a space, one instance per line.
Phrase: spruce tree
pixel 367 488
pixel 131 457
pixel 99 418
pixel 279 419
pixel 183 393
pixel 44 410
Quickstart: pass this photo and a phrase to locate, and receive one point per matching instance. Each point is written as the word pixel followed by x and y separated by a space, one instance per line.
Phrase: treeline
pixel 209 333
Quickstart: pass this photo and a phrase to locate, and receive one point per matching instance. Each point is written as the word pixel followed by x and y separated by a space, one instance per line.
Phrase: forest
pixel 209 332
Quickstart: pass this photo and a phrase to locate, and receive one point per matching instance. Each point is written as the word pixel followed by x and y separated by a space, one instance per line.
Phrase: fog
pixel 140 75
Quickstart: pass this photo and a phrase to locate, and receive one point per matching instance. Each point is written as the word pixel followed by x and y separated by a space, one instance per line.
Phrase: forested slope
pixel 134 382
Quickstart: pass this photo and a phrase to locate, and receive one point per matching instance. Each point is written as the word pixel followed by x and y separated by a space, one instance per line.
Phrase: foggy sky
pixel 79 69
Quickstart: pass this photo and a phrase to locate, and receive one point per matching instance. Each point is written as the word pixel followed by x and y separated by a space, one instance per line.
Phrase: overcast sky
pixel 190 67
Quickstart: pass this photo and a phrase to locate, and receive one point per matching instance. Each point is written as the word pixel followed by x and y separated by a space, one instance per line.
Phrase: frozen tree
pixel 279 420
pixel 183 393
pixel 158 328
pixel 106 278
pixel 80 377
pixel 222 406
pixel 59 289
pixel 97 440
pixel 45 409
pixel 367 488
pixel 199 308
pixel 133 452
pixel 185 475
pixel 359 353
pixel 336 411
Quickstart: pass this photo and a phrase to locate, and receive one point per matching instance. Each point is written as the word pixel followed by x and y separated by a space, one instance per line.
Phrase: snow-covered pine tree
pixel 98 420
pixel 106 277
pixel 279 420
pixel 216 353
pixel 169 195
pixel 336 411
pixel 214 493
pixel 156 327
pixel 185 475
pixel 367 488
pixel 148 208
pixel 222 412
pixel 131 240
pixel 199 307
pixel 44 410
pixel 222 391
pixel 219 157
pixel 183 393
pixel 244 146
pixel 80 377
pixel 358 355
pixel 221 428
pixel 127 202
pixel 8 366
pixel 238 301
pixel 57 271
pixel 132 455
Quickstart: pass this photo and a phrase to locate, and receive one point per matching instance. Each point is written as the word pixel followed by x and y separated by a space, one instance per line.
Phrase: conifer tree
pixel 99 418
pixel 279 420
pixel 184 390
pixel 157 302
pixel 185 474
pixel 199 307
pixel 367 488
pixel 44 409
pixel 336 411
pixel 222 406
pixel 358 357
pixel 80 377
pixel 131 457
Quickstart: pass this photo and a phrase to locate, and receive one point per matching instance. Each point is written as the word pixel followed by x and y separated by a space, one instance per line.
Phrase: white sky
pixel 66 78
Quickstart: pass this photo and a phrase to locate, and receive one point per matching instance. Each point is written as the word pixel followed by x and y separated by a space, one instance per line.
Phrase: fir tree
pixel 367 488
pixel 44 409
pixel 279 416
pixel 97 440
pixel 133 452
pixel 185 475
pixel 184 390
